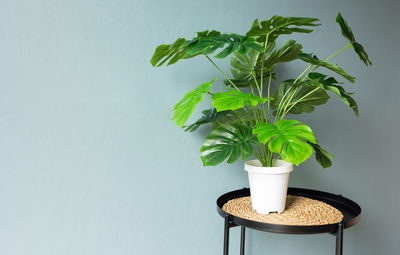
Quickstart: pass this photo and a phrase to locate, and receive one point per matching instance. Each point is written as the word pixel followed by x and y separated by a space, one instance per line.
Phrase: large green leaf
pixel 185 108
pixel 346 32
pixel 164 52
pixel 243 74
pixel 228 141
pixel 287 138
pixel 278 25
pixel 204 44
pixel 330 84
pixel 306 104
pixel 234 99
pixel 321 155
pixel 312 59
pixel 209 116
pixel 288 52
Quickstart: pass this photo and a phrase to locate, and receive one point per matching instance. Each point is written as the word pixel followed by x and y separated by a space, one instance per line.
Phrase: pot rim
pixel 281 167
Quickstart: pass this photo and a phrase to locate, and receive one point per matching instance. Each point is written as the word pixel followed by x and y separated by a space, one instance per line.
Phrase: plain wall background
pixel 90 163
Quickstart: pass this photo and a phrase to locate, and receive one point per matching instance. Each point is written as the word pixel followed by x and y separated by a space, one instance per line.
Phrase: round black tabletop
pixel 350 210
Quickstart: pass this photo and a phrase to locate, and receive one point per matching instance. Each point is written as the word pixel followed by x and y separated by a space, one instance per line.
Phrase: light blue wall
pixel 90 163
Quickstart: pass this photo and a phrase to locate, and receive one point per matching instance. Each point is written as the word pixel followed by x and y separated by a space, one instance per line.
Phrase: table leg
pixel 339 239
pixel 242 239
pixel 226 235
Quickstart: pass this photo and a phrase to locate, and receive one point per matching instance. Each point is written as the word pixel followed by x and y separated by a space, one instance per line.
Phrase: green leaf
pixel 234 99
pixel 240 68
pixel 279 25
pixel 286 138
pixel 288 52
pixel 235 43
pixel 321 155
pixel 165 51
pixel 306 104
pixel 346 32
pixel 330 84
pixel 312 59
pixel 185 108
pixel 204 44
pixel 209 116
pixel 228 141
pixel 242 73
pixel 280 91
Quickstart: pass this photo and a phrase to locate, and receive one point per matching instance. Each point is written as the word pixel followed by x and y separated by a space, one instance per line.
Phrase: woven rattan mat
pixel 300 211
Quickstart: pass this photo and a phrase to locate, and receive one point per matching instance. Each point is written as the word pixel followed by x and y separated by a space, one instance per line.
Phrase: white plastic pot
pixel 268 185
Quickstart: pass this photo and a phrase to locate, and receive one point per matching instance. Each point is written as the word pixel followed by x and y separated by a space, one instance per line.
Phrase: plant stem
pixel 257 156
pixel 331 56
pixel 299 100
pixel 219 69
pixel 257 85
pixel 254 75
pixel 219 122
pixel 285 100
pixel 337 52
pixel 288 102
pixel 262 58
pixel 240 117
pixel 271 159
pixel 268 95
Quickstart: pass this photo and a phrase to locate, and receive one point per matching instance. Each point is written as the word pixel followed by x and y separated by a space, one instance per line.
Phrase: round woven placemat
pixel 300 211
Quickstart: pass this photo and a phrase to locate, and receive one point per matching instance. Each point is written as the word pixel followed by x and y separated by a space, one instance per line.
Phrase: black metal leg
pixel 242 239
pixel 226 235
pixel 339 239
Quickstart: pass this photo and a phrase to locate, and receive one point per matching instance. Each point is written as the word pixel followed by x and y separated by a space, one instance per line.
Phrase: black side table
pixel 350 210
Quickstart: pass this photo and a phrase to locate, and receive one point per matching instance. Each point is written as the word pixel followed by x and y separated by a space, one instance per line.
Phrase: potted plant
pixel 250 117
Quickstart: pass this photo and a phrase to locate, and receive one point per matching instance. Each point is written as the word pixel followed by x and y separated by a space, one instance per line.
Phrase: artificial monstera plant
pixel 250 116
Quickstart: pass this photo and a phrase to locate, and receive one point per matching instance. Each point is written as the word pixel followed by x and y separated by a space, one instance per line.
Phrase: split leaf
pixel 227 142
pixel 312 59
pixel 348 34
pixel 234 99
pixel 321 155
pixel 185 108
pixel 286 138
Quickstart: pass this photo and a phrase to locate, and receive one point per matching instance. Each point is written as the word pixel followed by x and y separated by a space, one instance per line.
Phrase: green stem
pixel 271 159
pixel 254 75
pixel 257 85
pixel 264 112
pixel 262 59
pixel 337 52
pixel 257 156
pixel 331 56
pixel 219 122
pixel 284 100
pixel 299 100
pixel 240 117
pixel 219 69
pixel 268 95
pixel 288 102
